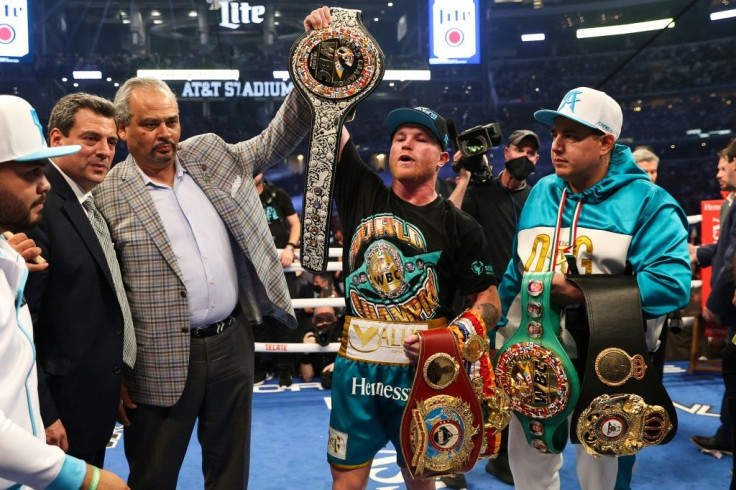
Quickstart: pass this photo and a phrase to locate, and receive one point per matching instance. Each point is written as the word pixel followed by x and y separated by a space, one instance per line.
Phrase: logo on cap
pixel 571 98
pixel 37 123
pixel 428 112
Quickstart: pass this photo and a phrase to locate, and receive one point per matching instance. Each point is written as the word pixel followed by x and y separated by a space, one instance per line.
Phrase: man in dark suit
pixel 77 314
pixel 719 307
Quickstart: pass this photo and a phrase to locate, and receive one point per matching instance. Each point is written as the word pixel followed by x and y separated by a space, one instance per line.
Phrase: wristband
pixel 95 478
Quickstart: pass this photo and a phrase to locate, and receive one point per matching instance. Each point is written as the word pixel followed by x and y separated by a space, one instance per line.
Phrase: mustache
pixel 165 142
pixel 40 200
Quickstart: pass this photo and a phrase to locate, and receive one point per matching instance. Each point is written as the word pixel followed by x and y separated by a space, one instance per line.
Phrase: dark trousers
pixel 218 393
pixel 728 363
pixel 725 432
pixel 95 458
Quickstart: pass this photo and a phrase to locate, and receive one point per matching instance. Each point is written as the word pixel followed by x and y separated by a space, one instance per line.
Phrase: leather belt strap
pixel 623 405
pixel 534 370
pixel 442 425
pixel 334 68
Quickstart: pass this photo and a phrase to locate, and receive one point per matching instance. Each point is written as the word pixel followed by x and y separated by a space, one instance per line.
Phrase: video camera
pixel 473 143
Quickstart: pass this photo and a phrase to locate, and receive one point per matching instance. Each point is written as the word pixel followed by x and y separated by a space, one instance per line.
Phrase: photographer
pixel 496 204
pixel 324 330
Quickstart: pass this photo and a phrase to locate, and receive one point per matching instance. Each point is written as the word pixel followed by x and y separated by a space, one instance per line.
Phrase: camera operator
pixel 496 204
pixel 324 331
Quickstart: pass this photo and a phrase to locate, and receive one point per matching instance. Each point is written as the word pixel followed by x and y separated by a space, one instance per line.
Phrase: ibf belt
pixel 534 370
pixel 441 428
pixel 379 342
pixel 623 405
pixel 334 68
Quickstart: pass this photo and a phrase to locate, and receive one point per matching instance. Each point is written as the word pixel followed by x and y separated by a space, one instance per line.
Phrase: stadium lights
pixel 87 75
pixel 191 74
pixel 651 25
pixel 725 14
pixel 533 37
pixel 401 75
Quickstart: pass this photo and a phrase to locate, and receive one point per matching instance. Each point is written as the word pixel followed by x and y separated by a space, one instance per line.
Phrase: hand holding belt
pixel 623 405
pixel 334 68
pixel 534 370
pixel 442 424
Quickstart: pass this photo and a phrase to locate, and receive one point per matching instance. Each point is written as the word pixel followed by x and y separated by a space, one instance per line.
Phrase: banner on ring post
pixel 710 230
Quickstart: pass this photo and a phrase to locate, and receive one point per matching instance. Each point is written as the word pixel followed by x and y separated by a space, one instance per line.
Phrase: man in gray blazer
pixel 198 264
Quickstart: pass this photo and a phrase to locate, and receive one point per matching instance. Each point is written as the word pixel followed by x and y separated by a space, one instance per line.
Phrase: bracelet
pixel 293 245
pixel 95 478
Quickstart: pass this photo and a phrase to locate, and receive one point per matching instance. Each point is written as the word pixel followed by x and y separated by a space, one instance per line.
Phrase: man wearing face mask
pixel 496 204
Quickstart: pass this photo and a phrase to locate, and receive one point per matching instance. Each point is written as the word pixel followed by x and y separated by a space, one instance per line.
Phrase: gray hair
pixel 122 97
pixel 62 115
pixel 645 155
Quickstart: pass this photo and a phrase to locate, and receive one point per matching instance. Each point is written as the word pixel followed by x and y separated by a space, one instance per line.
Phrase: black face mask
pixel 520 168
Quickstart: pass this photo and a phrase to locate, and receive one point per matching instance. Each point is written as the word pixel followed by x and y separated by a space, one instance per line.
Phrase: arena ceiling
pixel 102 24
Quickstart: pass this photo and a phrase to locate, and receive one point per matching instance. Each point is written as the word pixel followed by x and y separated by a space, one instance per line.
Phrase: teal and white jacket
pixel 623 218
pixel 25 458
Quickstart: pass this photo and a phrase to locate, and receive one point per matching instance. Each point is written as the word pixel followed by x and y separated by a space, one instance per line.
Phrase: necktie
pixel 103 235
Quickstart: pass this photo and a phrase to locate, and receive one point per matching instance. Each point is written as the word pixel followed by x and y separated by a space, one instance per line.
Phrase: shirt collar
pixel 179 172
pixel 79 192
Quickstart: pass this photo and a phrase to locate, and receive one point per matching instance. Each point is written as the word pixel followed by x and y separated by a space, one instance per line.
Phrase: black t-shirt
pixel 404 262
pixel 278 206
pixel 497 209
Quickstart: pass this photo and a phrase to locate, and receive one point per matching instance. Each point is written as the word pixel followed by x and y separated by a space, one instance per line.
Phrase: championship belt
pixel 442 425
pixel 623 405
pixel 534 370
pixel 334 68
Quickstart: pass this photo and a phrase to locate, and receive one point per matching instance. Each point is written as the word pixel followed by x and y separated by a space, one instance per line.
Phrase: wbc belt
pixel 334 68
pixel 534 370
pixel 623 405
pixel 442 425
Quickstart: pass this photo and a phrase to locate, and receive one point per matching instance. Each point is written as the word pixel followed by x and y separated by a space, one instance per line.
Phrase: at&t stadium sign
pixel 226 89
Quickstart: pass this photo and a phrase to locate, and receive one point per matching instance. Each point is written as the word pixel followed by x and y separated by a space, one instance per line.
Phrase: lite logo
pixel 235 13
pixel 14 29
pixel 454 29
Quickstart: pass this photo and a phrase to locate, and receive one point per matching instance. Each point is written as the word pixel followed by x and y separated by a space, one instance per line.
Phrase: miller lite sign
pixel 233 14
pixel 14 42
pixel 454 32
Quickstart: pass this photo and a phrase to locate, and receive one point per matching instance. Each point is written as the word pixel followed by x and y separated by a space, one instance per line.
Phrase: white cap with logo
pixel 21 133
pixel 589 107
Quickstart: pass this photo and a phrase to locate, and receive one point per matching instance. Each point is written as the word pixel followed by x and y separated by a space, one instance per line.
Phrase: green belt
pixel 534 370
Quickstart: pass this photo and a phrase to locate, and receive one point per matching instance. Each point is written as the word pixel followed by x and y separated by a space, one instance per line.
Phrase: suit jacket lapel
pixel 141 204
pixel 73 210
pixel 230 214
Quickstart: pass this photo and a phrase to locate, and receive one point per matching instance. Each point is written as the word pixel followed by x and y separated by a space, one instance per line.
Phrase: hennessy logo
pixel 236 13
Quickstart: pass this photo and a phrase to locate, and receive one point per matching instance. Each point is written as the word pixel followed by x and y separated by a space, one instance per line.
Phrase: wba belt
pixel 623 405
pixel 334 68
pixel 533 369
pixel 379 341
pixel 442 425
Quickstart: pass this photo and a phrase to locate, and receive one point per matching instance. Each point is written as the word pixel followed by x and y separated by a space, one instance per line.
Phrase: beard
pixel 15 214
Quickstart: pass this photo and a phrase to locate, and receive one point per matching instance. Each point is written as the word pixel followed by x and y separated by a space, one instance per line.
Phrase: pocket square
pixel 236 185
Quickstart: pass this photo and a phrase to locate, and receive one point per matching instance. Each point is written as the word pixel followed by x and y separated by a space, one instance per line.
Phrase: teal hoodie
pixel 623 218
